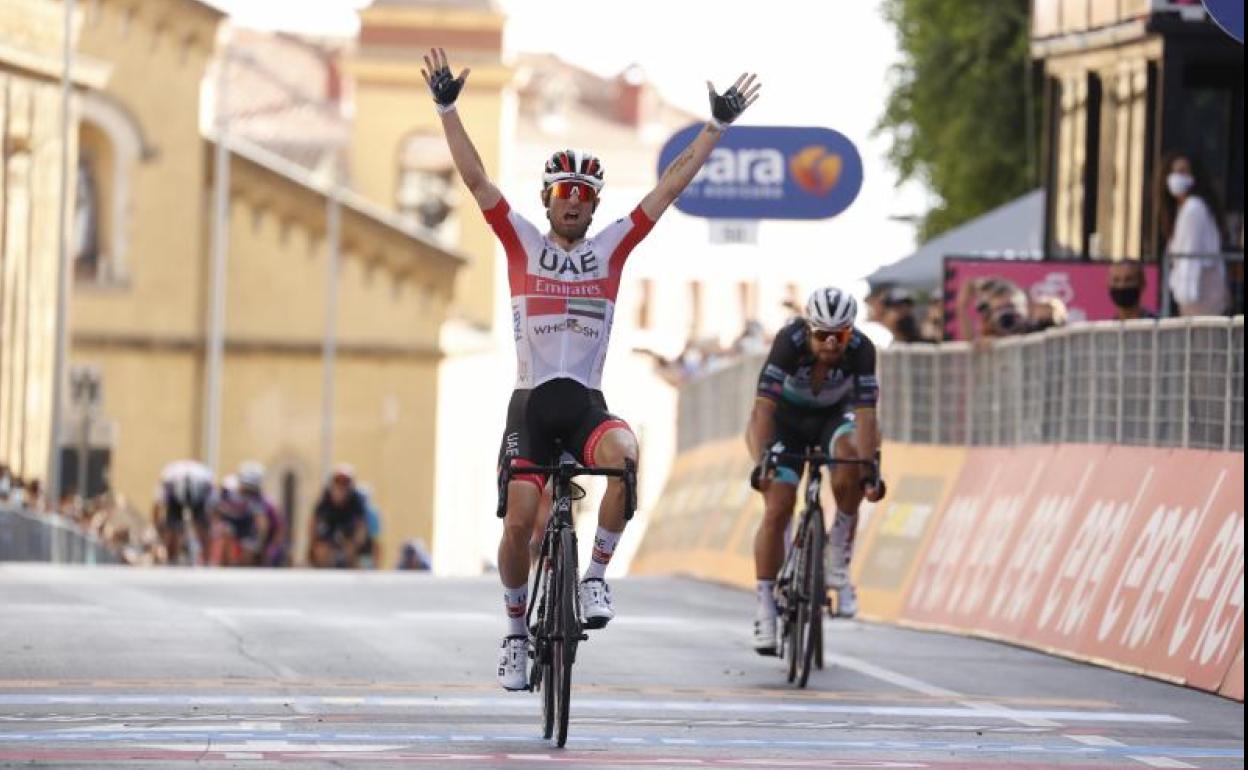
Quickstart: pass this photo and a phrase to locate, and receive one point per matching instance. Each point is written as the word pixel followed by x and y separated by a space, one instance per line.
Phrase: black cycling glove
pixel 728 106
pixel 444 86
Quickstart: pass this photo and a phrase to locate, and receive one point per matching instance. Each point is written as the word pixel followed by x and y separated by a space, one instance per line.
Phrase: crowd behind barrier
pixel 1078 491
pixel 29 536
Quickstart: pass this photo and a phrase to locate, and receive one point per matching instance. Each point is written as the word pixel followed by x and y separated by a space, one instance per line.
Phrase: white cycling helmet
pixel 831 309
pixel 577 165
pixel 251 475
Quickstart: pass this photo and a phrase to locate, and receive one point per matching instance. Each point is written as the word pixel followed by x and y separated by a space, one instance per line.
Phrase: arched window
pixel 110 147
pixel 426 191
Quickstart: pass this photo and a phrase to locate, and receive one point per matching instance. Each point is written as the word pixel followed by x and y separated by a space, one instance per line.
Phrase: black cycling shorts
pixel 173 513
pixel 558 415
pixel 798 430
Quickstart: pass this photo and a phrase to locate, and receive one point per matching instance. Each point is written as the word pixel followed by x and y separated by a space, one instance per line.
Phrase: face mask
pixel 1179 183
pixel 1125 296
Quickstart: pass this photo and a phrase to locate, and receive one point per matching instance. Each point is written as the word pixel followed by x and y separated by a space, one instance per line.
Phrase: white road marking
pixel 583 705
pixel 924 688
pixel 1161 761
pixel 1095 740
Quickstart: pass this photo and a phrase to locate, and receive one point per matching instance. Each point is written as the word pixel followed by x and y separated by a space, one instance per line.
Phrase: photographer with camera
pixel 1000 305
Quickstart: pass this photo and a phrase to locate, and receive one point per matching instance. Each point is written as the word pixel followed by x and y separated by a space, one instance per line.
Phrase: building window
pixel 426 187
pixel 86 225
pixel 110 147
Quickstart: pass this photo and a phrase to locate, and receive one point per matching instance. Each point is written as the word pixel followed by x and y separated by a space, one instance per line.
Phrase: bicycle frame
pixel 800 584
pixel 555 624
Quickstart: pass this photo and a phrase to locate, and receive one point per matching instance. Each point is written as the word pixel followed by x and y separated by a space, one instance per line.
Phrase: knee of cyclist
pixel 776 519
pixel 617 446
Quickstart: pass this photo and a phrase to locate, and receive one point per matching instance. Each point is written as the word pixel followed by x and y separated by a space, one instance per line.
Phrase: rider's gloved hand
pixel 756 478
pixel 444 86
pixel 874 485
pixel 728 106
pixel 760 477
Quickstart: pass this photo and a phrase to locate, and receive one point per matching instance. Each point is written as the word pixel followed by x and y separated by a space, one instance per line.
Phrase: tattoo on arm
pixel 680 162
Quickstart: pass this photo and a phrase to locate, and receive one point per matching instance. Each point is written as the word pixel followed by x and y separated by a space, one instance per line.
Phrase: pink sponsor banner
pixel 1081 286
pixel 1153 575
pixel 977 530
pixel 1049 519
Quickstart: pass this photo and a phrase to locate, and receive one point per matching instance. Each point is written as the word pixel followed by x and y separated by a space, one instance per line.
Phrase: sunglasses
pixel 842 335
pixel 563 190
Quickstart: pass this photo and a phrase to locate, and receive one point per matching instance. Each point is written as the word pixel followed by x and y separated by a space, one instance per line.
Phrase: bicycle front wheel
pixel 813 593
pixel 795 612
pixel 569 630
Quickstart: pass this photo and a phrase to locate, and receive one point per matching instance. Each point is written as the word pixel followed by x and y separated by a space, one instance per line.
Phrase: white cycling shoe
pixel 513 658
pixel 765 635
pixel 846 601
pixel 596 609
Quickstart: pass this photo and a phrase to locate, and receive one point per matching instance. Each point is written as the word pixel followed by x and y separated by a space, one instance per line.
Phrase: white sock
pixel 766 599
pixel 605 542
pixel 516 601
pixel 843 530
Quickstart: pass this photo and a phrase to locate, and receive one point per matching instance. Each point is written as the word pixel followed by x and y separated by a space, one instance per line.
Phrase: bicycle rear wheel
pixel 813 593
pixel 569 630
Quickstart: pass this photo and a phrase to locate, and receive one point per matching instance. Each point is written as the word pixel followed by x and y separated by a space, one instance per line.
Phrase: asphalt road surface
pixel 113 667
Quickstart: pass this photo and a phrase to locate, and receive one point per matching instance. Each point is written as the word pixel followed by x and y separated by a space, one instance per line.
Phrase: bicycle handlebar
pixel 570 471
pixel 819 459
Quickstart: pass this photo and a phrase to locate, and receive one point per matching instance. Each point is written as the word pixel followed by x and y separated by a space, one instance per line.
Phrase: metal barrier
pixel 1172 383
pixel 26 536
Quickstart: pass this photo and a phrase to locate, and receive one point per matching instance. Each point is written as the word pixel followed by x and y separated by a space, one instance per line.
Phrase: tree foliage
pixel 958 111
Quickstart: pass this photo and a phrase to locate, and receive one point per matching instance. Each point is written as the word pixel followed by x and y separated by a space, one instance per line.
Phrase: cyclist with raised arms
pixel 818 388
pixel 563 287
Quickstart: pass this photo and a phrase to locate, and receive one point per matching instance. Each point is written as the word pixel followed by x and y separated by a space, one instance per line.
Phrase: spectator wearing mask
pixel 1126 286
pixel 1192 223
pixel 898 316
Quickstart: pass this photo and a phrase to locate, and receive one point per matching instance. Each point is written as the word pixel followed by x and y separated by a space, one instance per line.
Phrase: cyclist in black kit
pixel 818 388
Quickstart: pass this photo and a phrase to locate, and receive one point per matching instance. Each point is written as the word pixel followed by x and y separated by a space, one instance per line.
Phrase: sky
pixel 821 64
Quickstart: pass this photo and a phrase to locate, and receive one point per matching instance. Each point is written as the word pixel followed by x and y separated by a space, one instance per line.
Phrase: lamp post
pixel 61 352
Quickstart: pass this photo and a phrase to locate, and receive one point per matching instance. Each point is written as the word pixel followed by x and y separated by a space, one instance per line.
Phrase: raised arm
pixel 445 90
pixel 725 108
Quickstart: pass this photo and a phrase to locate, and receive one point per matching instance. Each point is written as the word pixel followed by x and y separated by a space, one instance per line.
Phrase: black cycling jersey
pixel 787 376
pixel 343 519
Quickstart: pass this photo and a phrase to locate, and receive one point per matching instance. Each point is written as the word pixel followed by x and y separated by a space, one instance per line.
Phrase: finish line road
pixel 163 668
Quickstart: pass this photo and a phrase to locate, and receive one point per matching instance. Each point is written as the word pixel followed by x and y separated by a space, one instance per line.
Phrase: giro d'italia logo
pixel 816 170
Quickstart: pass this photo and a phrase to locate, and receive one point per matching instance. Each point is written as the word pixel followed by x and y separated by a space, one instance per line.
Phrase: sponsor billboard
pixel 920 479
pixel 1229 14
pixel 770 172
pixel 1081 286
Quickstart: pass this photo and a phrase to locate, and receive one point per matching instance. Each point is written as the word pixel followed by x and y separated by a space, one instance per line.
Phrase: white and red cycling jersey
pixel 563 302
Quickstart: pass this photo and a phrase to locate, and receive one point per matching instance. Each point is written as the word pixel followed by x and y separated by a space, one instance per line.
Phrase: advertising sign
pixel 758 172
pixel 1081 286
pixel 1229 14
